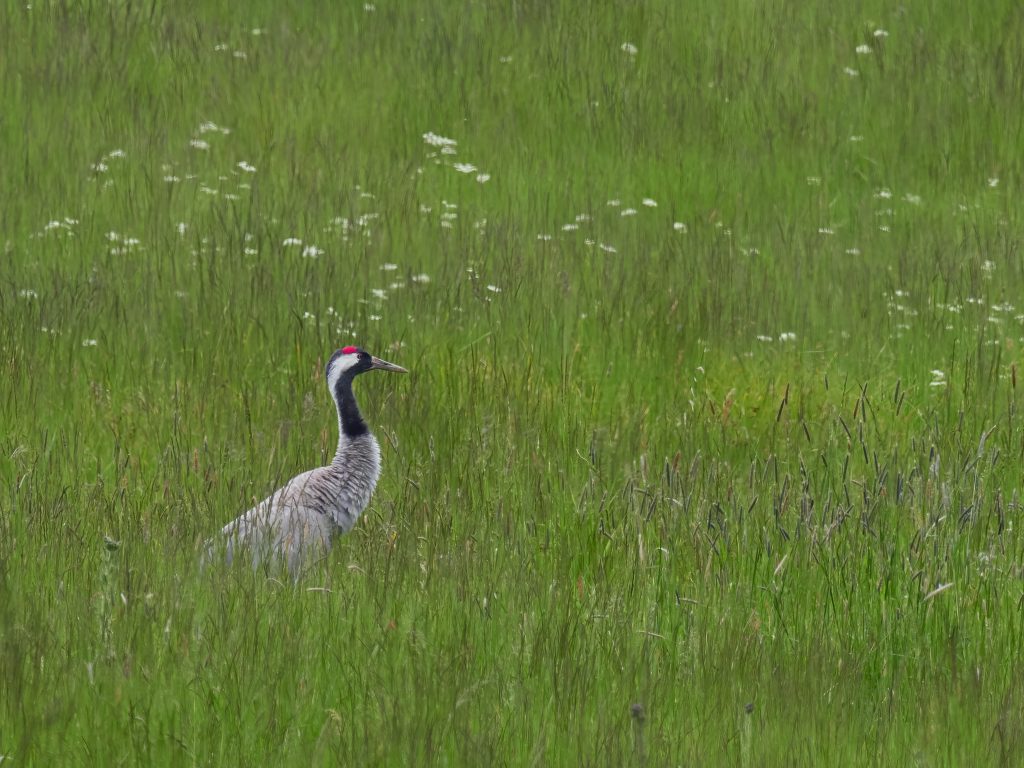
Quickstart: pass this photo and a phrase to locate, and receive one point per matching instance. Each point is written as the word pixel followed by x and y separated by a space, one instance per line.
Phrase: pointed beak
pixel 384 365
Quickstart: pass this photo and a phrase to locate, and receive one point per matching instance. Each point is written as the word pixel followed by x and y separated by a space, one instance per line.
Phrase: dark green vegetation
pixel 601 488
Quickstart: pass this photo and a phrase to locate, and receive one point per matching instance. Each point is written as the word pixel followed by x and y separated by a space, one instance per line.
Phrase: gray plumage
pixel 298 522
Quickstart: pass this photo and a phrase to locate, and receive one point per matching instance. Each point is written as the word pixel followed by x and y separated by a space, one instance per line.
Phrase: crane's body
pixel 299 521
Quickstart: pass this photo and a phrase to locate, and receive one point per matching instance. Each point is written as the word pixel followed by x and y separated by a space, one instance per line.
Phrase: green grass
pixel 610 516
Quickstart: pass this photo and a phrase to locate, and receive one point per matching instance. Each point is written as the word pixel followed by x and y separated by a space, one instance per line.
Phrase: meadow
pixel 710 451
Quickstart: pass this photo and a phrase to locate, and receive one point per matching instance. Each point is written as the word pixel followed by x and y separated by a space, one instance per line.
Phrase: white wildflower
pixel 631 49
pixel 388 267
pixel 464 167
pixel 89 343
pixel 199 144
pixel 649 202
pixel 483 178
pixel 493 289
pixel 863 49
pixel 880 33
pixel 247 167
pixel 312 252
pixel 851 72
pixel 679 226
pixel 421 278
pixel 993 182
pixel 787 336
pixel 291 241
pixel 438 141
pixel 28 293
pixel 628 212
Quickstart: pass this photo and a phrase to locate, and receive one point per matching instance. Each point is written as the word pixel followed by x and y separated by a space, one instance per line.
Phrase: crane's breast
pixel 352 478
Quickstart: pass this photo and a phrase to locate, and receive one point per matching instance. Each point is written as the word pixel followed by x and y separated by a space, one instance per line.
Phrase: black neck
pixel 352 424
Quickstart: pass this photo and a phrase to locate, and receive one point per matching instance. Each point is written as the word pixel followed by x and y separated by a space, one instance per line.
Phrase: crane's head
pixel 351 361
